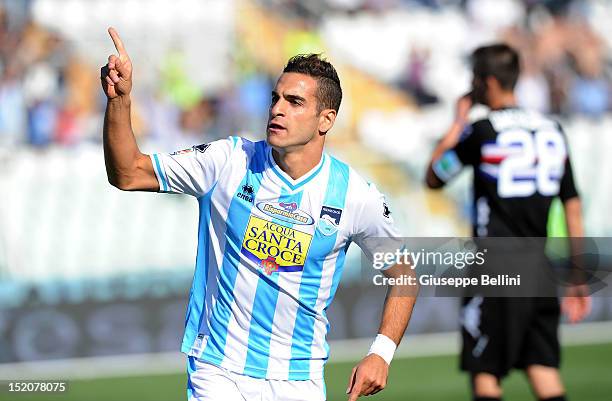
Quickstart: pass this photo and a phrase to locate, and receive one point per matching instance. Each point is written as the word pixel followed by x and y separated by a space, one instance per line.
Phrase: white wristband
pixel 384 347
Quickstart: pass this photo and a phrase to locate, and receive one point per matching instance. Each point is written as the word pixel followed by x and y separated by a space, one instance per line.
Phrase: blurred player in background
pixel 276 219
pixel 521 164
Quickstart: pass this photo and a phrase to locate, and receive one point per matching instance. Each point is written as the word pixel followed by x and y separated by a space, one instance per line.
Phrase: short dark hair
pixel 499 61
pixel 329 92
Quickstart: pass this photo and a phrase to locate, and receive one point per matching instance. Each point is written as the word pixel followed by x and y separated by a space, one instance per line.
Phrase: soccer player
pixel 276 219
pixel 520 160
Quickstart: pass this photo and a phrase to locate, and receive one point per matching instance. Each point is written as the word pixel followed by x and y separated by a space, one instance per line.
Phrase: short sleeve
pixel 567 189
pixel 465 152
pixel 192 171
pixel 375 229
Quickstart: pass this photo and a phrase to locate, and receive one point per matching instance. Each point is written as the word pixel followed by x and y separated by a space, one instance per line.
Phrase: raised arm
pixel 126 167
pixel 449 140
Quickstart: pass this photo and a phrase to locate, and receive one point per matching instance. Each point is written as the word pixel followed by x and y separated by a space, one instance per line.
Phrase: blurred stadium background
pixel 93 281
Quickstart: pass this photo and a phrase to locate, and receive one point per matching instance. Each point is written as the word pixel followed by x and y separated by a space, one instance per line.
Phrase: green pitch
pixel 587 371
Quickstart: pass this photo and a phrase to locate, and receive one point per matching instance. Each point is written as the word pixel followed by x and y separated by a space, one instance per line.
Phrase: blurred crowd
pixel 39 79
pixel 317 9
pixel 565 65
pixel 49 95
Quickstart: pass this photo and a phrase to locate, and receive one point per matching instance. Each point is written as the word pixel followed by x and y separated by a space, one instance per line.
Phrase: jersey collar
pixel 292 184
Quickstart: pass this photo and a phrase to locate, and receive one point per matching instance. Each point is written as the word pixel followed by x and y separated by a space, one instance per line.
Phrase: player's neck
pixel 502 100
pixel 297 162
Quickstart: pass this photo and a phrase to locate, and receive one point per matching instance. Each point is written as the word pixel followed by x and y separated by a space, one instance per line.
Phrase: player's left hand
pixel 576 304
pixel 368 377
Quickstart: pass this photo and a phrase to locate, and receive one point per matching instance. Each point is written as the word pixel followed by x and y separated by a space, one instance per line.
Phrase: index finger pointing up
pixel 118 43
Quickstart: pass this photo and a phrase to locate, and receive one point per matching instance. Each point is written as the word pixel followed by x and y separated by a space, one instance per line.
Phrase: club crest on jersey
pixel 287 212
pixel 329 220
pixel 274 247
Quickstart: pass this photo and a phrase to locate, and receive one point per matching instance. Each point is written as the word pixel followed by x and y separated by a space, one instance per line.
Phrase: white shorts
pixel 208 382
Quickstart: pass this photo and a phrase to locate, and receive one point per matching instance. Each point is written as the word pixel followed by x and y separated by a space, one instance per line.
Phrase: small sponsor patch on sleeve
pixel 199 148
pixel 202 148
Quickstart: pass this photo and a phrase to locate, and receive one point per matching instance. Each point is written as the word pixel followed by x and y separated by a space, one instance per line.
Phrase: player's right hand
pixel 116 75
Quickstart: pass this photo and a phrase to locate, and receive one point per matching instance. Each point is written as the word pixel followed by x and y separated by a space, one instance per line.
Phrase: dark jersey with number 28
pixel 521 164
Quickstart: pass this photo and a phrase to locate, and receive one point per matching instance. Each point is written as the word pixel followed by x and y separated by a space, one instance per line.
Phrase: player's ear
pixel 327 117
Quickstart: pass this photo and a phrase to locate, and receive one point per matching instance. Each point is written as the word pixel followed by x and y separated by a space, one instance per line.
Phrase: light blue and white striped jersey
pixel 270 253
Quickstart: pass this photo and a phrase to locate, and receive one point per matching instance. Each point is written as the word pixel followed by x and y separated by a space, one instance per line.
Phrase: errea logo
pixel 246 193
